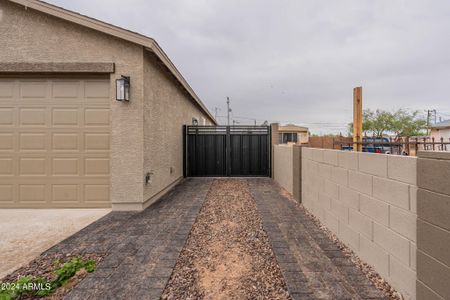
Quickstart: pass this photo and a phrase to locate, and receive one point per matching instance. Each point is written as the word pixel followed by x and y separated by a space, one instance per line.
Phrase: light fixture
pixel 123 88
pixel 194 122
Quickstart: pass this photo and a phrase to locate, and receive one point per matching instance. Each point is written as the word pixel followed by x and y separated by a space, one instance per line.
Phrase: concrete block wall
pixel 283 166
pixel 433 226
pixel 369 201
pixel 287 168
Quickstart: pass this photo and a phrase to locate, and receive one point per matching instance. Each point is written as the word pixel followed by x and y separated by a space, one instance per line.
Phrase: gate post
pixel 184 150
pixel 228 152
pixel 274 137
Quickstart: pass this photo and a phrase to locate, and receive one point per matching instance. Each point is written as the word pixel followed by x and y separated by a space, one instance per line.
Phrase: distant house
pixel 293 134
pixel 441 129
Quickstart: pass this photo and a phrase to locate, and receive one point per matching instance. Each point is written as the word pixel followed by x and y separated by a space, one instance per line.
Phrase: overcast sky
pixel 298 61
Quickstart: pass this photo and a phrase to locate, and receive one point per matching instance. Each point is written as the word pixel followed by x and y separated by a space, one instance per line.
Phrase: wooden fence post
pixel 357 119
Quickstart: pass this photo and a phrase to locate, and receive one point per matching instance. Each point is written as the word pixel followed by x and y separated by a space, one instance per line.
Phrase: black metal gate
pixel 227 151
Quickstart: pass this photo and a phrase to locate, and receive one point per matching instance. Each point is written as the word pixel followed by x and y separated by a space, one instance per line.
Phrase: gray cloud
pixel 298 61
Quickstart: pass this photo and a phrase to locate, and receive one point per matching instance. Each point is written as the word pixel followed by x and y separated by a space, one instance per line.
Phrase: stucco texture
pixel 135 150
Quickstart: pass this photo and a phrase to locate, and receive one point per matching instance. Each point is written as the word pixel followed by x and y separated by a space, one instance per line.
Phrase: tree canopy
pixel 401 122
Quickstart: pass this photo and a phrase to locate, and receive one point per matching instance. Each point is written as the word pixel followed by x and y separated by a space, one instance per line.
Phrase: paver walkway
pixel 142 248
pixel 312 265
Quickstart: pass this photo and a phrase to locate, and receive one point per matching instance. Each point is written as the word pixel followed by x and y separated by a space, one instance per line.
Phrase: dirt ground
pixel 227 255
pixel 26 233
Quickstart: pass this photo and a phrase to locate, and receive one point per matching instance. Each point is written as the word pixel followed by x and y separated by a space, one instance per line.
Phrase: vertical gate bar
pixel 227 151
pixel 184 150
pixel 269 150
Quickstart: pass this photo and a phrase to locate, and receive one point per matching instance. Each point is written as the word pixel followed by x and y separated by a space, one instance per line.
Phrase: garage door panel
pixel 96 141
pixel 96 193
pixel 65 166
pixel 96 91
pixel 65 193
pixel 66 89
pixel 32 141
pixel 67 116
pixel 6 89
pixel 6 167
pixel 54 143
pixel 32 167
pixel 6 193
pixel 96 166
pixel 33 89
pixel 96 117
pixel 6 116
pixel 32 193
pixel 6 142
pixel 65 141
pixel 32 116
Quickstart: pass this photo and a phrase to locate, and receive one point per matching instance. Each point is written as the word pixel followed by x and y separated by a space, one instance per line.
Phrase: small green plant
pixel 41 286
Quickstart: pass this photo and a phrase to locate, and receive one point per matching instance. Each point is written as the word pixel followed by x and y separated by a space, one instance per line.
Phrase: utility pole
pixel 216 110
pixel 228 111
pixel 357 119
pixel 429 111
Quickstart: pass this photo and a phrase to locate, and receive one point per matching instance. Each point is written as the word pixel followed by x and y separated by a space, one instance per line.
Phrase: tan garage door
pixel 54 142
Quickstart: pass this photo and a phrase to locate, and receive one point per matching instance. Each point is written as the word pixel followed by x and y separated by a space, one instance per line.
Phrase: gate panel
pixel 227 151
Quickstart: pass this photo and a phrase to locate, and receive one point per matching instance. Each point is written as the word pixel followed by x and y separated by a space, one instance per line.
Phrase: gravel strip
pixel 228 254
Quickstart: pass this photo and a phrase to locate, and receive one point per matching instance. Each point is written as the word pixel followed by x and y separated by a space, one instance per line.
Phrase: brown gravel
pixel 44 266
pixel 368 270
pixel 228 254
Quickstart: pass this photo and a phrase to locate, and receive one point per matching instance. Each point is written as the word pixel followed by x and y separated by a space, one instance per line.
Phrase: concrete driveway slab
pixel 26 233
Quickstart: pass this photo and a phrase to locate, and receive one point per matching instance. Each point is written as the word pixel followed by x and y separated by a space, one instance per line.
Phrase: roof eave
pixel 147 42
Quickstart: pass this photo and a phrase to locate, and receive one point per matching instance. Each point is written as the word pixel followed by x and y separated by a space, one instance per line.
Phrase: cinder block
pixel 307 153
pixel 393 192
pixel 403 168
pixel 325 171
pixel 360 223
pixel 374 164
pixel 375 209
pixel 360 182
pixel 349 236
pixel 348 160
pixel 340 210
pixel 339 175
pixel 331 189
pixel 433 274
pixel 324 201
pixel 330 157
pixel 413 199
pixel 434 241
pixel 349 197
pixel 433 175
pixel 317 154
pixel 374 255
pixel 424 292
pixel 403 222
pixel 392 242
pixel 332 222
pixel 413 256
pixel 434 208
pixel 402 278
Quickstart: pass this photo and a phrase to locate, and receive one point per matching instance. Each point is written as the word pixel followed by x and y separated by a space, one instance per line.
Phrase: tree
pixel 401 123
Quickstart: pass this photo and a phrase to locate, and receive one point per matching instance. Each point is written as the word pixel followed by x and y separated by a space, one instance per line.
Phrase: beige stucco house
pixel 65 141
pixel 441 130
pixel 293 134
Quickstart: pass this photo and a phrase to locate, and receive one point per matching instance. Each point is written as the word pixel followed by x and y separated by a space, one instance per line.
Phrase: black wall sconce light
pixel 123 88
pixel 194 121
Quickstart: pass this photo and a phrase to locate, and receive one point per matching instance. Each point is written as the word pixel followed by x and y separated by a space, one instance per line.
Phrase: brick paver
pixel 312 265
pixel 142 248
